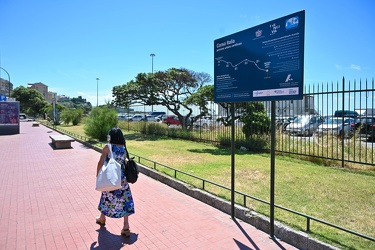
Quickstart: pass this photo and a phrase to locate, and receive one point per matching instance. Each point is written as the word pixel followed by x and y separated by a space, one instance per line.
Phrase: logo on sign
pixel 292 23
pixel 258 33
pixel 289 78
pixel 292 91
pixel 274 27
pixel 3 98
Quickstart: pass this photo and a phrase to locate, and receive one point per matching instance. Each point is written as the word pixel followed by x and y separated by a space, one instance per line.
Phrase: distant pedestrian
pixel 118 203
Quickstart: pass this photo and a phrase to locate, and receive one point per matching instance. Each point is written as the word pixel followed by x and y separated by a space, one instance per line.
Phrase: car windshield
pixel 333 121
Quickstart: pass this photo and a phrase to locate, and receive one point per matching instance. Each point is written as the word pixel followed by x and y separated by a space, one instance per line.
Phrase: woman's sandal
pixel 98 221
pixel 125 232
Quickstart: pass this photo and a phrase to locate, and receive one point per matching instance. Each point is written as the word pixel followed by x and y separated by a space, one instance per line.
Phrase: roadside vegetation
pixel 340 196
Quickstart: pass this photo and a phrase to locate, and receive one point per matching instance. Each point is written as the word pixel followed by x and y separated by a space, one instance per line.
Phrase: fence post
pixel 343 137
pixel 272 170
pixel 232 160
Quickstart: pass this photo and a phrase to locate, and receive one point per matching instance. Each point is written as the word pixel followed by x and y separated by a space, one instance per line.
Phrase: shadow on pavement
pixel 109 241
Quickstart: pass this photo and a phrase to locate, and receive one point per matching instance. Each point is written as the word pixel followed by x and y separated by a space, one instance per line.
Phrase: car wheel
pixel 350 134
pixel 204 125
pixel 168 123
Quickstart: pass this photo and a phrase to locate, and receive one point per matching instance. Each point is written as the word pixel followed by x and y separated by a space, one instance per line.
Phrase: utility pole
pixel 97 91
pixel 152 71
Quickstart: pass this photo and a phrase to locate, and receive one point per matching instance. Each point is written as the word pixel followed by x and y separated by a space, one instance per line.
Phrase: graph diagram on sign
pixel 244 65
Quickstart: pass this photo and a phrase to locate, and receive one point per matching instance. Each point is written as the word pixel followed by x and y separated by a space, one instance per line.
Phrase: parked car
pixel 152 118
pixel 206 121
pixel 159 117
pixel 304 125
pixel 137 118
pixel 346 113
pixel 171 120
pixel 156 113
pixel 365 127
pixel 125 117
pixel 283 122
pixel 335 126
pixel 23 116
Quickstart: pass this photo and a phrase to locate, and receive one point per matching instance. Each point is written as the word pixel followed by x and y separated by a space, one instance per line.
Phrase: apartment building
pixel 43 89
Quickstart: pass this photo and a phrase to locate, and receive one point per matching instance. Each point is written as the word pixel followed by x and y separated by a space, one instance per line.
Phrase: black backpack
pixel 131 169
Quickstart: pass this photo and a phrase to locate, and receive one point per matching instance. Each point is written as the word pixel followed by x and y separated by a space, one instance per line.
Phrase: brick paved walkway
pixel 48 201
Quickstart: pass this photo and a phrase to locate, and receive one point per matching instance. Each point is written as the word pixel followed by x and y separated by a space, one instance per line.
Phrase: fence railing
pixel 154 165
pixel 342 99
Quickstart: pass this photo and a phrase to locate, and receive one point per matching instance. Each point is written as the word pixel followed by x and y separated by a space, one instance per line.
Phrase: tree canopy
pixel 31 101
pixel 170 88
pixel 201 98
pixel 78 103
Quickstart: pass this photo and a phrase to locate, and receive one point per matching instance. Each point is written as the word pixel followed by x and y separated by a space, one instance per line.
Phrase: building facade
pixel 43 89
pixel 5 87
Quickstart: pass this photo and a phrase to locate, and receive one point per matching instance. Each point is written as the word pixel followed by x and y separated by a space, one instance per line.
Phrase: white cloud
pixel 355 67
pixel 352 66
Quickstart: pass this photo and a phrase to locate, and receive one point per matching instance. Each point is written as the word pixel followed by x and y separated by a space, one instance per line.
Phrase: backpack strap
pixel 110 150
pixel 127 153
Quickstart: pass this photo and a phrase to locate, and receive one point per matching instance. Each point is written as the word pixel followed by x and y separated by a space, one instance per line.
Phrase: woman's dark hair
pixel 117 136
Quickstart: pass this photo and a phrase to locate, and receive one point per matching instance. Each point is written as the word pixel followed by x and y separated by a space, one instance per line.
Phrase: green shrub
pixel 77 116
pixel 100 121
pixel 73 116
pixel 66 116
pixel 154 128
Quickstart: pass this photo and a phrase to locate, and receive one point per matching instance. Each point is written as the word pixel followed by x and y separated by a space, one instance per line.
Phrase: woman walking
pixel 118 203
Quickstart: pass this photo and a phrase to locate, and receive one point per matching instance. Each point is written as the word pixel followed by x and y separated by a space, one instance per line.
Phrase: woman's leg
pixel 101 219
pixel 126 222
pixel 125 230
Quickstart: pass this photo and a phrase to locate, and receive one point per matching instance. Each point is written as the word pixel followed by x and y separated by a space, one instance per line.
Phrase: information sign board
pixel 262 63
pixel 9 118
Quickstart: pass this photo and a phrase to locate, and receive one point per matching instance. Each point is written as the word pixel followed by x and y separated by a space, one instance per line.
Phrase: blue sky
pixel 67 44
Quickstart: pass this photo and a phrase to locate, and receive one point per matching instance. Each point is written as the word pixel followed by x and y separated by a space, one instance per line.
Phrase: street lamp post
pixel 97 91
pixel 152 70
pixel 152 62
pixel 8 78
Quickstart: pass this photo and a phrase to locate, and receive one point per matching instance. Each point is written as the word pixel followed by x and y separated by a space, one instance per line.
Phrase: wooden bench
pixel 35 124
pixel 61 141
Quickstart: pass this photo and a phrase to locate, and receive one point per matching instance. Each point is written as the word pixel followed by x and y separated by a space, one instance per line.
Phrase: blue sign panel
pixel 262 63
pixel 3 98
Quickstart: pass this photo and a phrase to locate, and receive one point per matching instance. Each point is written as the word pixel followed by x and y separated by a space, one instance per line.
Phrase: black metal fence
pixel 202 183
pixel 345 103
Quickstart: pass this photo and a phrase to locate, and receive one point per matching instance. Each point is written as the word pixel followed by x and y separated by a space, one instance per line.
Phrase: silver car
pixel 152 118
pixel 304 125
pixel 137 118
pixel 335 126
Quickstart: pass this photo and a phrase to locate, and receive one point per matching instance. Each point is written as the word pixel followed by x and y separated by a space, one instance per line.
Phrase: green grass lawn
pixel 342 197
